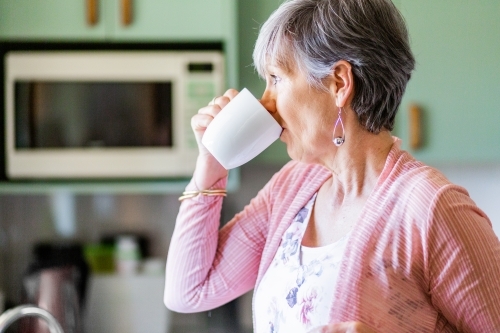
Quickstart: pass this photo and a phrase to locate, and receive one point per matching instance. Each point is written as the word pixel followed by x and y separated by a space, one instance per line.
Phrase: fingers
pixel 200 121
pixel 214 107
pixel 205 115
pixel 218 103
pixel 224 99
pixel 228 95
pixel 231 93
pixel 211 110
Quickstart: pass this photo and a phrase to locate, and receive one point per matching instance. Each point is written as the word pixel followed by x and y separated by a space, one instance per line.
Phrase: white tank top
pixel 296 292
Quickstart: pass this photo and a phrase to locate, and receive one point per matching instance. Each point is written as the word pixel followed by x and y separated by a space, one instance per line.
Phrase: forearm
pixel 207 267
pixel 198 276
pixel 192 252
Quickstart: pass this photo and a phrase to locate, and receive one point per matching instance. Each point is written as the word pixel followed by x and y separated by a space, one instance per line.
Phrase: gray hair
pixel 312 35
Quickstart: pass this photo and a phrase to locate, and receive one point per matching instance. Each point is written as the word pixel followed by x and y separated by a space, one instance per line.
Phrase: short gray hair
pixel 370 34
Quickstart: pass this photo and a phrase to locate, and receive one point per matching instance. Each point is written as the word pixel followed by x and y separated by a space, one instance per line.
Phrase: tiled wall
pixel 25 220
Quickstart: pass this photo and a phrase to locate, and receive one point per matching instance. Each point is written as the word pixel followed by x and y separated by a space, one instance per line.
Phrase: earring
pixel 339 140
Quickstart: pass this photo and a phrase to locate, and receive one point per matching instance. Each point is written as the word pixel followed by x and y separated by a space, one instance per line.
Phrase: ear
pixel 342 83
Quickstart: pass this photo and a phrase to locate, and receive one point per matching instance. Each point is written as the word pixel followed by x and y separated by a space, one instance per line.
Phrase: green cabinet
pixel 151 19
pixel 456 82
pixel 49 19
pixel 175 20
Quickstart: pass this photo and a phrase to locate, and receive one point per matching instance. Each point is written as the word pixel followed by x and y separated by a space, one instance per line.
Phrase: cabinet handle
pixel 126 12
pixel 415 118
pixel 91 12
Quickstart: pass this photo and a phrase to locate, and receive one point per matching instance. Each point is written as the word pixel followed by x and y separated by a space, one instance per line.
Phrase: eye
pixel 275 79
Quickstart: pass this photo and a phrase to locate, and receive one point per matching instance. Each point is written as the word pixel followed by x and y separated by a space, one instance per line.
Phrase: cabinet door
pixel 456 81
pixel 173 20
pixel 49 20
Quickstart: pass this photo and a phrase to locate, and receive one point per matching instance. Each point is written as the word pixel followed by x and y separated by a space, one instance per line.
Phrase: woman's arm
pixel 463 263
pixel 207 267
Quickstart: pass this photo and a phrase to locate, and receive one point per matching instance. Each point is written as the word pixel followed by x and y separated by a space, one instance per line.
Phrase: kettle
pixel 56 281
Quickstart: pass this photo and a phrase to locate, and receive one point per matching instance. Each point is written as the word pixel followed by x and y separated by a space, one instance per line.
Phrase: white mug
pixel 241 131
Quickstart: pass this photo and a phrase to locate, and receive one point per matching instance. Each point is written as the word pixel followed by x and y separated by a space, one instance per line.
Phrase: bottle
pixel 127 255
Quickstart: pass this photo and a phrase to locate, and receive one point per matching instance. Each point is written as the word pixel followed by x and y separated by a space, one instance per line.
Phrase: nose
pixel 268 101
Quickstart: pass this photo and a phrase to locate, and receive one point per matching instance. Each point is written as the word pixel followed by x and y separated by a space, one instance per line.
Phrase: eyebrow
pixel 276 67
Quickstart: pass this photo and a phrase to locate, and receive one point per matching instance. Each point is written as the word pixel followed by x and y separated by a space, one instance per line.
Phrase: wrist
pixel 218 189
pixel 207 193
pixel 208 172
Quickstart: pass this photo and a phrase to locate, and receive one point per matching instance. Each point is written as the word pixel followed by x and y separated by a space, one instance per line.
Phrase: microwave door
pixel 87 115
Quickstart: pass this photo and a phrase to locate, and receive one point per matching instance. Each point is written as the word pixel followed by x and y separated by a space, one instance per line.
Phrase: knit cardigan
pixel 422 256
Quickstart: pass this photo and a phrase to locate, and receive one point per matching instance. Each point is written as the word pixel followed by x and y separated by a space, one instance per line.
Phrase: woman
pixel 353 235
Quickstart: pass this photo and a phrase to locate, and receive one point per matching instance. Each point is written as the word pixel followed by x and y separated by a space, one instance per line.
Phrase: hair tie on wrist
pixel 208 193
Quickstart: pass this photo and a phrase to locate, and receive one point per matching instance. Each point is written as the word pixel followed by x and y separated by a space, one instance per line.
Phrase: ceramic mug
pixel 241 131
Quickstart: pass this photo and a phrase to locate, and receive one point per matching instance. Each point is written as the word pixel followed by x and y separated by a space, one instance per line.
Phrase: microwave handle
pixel 127 9
pixel 91 12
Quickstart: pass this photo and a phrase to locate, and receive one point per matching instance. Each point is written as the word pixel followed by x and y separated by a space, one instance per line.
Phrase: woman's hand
pixel 205 115
pixel 208 170
pixel 345 327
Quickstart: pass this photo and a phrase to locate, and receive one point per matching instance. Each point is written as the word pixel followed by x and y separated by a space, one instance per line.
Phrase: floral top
pixel 296 293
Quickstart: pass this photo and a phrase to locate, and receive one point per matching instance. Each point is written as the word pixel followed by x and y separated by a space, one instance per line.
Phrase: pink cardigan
pixel 421 258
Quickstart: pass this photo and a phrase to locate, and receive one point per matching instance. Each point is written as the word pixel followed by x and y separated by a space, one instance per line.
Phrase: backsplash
pixel 25 220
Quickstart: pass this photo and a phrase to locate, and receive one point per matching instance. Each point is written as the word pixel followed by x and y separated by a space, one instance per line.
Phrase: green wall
pixel 456 81
pixel 251 14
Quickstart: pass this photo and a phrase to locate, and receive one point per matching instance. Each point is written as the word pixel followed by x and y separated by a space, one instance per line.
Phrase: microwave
pixel 105 114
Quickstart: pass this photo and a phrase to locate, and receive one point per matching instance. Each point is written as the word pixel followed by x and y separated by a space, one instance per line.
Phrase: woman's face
pixel 306 114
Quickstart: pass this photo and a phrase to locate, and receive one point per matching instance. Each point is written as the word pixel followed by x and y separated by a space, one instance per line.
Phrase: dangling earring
pixel 339 140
